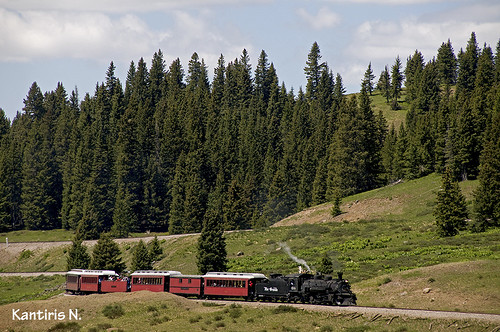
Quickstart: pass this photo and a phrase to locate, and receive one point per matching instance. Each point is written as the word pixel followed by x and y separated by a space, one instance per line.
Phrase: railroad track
pixel 376 312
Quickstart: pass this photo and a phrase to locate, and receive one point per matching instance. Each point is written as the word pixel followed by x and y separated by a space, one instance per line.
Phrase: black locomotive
pixel 306 288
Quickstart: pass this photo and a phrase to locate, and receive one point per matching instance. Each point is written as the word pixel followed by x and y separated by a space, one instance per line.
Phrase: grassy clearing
pixel 16 289
pixel 464 286
pixel 165 312
pixel 379 104
pixel 37 236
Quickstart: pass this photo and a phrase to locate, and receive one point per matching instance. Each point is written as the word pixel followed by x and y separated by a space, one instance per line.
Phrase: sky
pixel 73 42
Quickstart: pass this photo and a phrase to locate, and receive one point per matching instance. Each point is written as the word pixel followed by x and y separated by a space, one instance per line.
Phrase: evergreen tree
pixel 141 259
pixel 396 82
pixel 127 210
pixel 6 171
pixel 325 264
pixel 384 84
pixel 313 70
pixel 447 64
pixel 413 71
pixel 487 196
pixel 497 62
pixel 78 258
pixel 155 250
pixel 428 91
pixel 41 186
pixel 106 255
pixel 212 255
pixel 467 65
pixel 451 209
pixel 368 79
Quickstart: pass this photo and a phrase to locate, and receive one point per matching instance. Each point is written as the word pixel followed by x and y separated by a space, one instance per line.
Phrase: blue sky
pixel 73 42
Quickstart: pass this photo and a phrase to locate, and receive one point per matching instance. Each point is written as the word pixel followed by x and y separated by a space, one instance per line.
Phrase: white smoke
pixel 292 256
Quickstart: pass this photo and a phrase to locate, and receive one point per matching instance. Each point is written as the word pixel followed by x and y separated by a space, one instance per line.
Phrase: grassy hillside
pixel 382 234
pixel 397 117
pixel 143 311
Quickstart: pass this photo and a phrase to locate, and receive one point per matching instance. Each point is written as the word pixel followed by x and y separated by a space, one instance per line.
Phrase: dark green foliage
pixel 212 255
pixel 313 70
pixel 113 311
pixel 155 250
pixel 384 84
pixel 487 196
pixel 467 66
pixel 337 199
pixel 451 210
pixel 153 154
pixel 325 264
pixel 397 78
pixel 447 64
pixel 355 160
pixel 141 260
pixel 413 71
pixel 65 327
pixel 367 83
pixel 78 258
pixel 106 255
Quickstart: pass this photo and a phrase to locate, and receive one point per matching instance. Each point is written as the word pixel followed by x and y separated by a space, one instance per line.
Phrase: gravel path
pixel 15 248
pixel 371 311
pixel 386 312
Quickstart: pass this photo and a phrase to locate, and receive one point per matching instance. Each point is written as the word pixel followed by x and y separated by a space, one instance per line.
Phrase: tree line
pixel 171 149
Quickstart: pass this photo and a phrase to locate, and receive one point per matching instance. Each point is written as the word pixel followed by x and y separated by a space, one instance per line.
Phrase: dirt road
pixel 15 248
pixel 386 312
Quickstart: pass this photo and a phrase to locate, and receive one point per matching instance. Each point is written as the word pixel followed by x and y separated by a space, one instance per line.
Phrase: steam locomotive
pixel 306 288
pixel 299 287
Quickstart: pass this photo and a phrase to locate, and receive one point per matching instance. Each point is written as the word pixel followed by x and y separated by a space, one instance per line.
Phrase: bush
pixel 25 254
pixel 113 311
pixel 65 327
pixel 101 327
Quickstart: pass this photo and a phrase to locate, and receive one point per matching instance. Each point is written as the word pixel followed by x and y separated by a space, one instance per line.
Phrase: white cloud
pixel 28 35
pixel 325 18
pixel 116 6
pixel 390 2
pixel 38 34
pixel 381 40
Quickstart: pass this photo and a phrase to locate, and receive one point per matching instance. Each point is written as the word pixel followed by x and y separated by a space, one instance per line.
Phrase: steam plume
pixel 297 260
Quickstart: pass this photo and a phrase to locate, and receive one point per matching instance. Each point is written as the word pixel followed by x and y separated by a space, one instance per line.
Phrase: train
pixel 298 287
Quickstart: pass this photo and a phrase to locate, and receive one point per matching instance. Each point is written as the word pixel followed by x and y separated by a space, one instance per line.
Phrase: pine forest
pixel 176 145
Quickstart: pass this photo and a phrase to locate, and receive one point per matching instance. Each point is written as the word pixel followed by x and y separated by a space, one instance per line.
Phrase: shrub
pixel 151 308
pixel 100 327
pixel 113 311
pixel 25 254
pixel 159 320
pixel 65 327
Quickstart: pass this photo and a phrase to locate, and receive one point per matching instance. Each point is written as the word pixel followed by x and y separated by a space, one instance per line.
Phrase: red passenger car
pixel 115 285
pixel 87 281
pixel 154 281
pixel 227 284
pixel 186 285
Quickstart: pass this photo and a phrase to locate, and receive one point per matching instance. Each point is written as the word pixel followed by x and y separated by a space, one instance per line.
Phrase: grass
pixel 379 104
pixel 37 236
pixel 16 289
pixel 381 244
pixel 188 315
pixel 464 286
